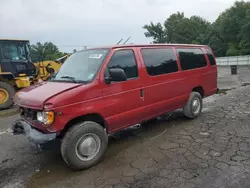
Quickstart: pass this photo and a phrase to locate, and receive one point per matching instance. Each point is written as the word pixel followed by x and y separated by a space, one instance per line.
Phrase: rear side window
pixel 211 58
pixel 159 61
pixel 125 59
pixel 191 58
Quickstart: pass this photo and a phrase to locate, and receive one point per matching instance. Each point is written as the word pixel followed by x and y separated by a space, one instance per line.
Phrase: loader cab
pixel 15 58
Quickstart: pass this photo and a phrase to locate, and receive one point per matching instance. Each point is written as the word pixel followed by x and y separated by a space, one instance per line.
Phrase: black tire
pixel 11 92
pixel 73 136
pixel 188 108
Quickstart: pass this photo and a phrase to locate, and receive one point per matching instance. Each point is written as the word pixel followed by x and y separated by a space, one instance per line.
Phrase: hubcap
pixel 196 106
pixel 3 96
pixel 88 146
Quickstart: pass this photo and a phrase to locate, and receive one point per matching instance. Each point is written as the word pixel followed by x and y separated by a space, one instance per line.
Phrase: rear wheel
pixel 84 145
pixel 7 91
pixel 194 105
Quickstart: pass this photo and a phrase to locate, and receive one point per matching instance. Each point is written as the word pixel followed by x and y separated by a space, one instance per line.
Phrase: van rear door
pixel 163 84
pixel 213 74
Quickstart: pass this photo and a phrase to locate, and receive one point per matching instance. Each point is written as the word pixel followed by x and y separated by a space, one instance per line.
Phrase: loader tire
pixel 7 92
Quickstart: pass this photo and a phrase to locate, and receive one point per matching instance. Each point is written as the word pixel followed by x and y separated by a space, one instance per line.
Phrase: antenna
pixel 119 41
pixel 127 40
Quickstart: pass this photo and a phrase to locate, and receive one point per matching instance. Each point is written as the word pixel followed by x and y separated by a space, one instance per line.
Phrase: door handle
pixel 142 94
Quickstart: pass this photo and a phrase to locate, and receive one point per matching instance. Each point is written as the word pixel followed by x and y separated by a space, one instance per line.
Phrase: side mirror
pixel 116 75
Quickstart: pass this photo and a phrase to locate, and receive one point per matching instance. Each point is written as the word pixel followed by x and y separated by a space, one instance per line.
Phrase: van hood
pixel 36 95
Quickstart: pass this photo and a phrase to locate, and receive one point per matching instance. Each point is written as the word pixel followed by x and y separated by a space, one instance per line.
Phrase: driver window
pixel 125 59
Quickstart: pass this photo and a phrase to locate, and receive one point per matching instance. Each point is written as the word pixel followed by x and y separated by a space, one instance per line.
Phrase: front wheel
pixel 193 107
pixel 84 145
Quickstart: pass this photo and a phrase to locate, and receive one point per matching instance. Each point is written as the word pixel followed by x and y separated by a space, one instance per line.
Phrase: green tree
pixel 156 31
pixel 229 35
pixel 171 25
pixel 201 29
pixel 178 29
pixel 46 51
pixel 244 44
pixel 233 26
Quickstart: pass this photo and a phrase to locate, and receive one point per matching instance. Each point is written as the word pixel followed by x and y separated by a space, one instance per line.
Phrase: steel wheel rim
pixel 3 95
pixel 88 146
pixel 196 106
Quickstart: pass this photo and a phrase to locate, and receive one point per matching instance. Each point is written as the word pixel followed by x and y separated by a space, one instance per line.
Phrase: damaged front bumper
pixel 35 136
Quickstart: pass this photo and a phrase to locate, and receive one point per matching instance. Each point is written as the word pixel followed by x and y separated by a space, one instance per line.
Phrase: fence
pixel 234 60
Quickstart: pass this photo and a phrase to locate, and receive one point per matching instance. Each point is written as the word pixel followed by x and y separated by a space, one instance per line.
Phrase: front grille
pixel 28 113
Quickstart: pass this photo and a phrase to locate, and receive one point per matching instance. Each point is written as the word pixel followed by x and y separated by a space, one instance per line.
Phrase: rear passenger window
pixel 191 58
pixel 159 61
pixel 211 58
pixel 125 59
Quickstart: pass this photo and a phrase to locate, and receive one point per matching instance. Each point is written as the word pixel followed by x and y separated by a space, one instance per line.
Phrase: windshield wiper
pixel 70 78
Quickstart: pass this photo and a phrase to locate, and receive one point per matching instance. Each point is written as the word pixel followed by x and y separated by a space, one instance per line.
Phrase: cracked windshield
pixel 125 94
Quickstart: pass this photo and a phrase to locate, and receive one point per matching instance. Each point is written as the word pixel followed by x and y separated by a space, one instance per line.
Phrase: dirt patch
pixel 245 84
pixel 8 112
pixel 224 91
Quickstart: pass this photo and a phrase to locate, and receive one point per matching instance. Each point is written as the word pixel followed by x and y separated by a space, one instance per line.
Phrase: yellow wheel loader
pixel 17 71
pixel 47 68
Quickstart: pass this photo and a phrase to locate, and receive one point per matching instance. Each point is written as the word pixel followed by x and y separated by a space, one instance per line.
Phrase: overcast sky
pixel 74 23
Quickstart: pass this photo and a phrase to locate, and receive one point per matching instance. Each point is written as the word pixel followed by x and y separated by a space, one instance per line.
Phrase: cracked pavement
pixel 212 151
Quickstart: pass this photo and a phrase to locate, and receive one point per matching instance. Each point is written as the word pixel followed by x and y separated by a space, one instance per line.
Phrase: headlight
pixel 39 116
pixel 46 117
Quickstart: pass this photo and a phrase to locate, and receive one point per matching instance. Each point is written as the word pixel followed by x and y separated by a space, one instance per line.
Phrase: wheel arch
pixel 95 117
pixel 8 78
pixel 200 90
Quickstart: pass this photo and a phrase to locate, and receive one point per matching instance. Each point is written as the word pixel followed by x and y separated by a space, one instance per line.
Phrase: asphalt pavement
pixel 210 151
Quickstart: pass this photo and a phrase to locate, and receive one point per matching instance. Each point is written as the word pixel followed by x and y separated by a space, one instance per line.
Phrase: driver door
pixel 124 98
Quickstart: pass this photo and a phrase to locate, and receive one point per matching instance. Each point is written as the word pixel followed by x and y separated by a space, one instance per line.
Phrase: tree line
pixel 45 51
pixel 229 35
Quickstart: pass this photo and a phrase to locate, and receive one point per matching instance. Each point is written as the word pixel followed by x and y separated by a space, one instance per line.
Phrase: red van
pixel 100 91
